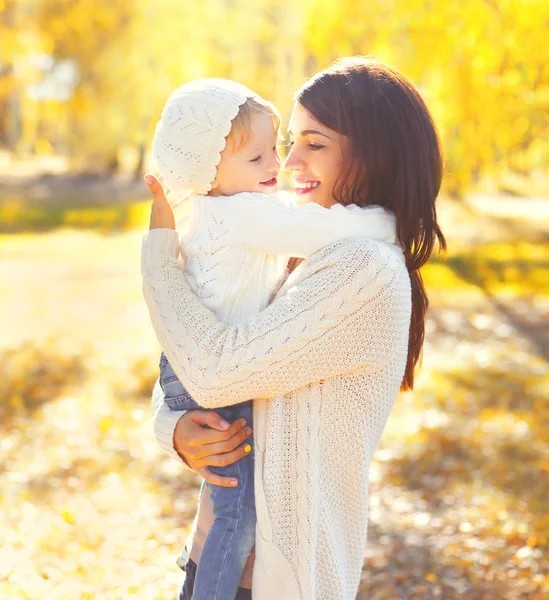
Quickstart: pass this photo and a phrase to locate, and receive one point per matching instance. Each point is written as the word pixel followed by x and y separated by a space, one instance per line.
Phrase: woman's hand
pixel 162 216
pixel 201 448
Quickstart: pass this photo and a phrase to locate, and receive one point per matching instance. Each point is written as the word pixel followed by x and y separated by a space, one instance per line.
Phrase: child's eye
pixel 315 147
pixel 256 159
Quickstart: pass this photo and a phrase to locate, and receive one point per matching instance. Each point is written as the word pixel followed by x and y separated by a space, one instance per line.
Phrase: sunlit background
pixel 91 508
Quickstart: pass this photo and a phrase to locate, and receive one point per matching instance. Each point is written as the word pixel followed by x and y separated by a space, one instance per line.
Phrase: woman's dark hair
pixel 393 160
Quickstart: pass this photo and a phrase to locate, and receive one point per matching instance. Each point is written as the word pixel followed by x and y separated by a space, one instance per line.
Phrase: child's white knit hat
pixel 192 132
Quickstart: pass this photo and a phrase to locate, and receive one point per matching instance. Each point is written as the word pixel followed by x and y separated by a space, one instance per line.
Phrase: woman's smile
pixel 315 157
pixel 305 186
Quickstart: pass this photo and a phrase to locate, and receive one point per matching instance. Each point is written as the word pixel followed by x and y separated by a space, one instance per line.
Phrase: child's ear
pixel 215 184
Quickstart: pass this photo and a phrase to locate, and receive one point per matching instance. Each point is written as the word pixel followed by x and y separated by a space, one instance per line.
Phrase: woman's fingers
pixel 221 460
pixel 227 458
pixel 162 216
pixel 155 187
pixel 195 444
pixel 226 447
pixel 211 419
pixel 204 438
pixel 216 479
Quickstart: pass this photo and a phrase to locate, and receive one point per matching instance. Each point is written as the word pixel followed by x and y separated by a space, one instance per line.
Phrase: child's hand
pixel 162 216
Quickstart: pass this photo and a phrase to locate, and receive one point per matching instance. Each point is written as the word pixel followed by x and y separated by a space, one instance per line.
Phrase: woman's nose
pixel 293 161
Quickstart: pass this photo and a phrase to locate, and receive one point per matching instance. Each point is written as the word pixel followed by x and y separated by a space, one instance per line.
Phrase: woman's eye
pixel 316 146
pixel 256 159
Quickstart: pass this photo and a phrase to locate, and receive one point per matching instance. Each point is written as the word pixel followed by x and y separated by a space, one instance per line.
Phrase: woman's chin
pixel 309 196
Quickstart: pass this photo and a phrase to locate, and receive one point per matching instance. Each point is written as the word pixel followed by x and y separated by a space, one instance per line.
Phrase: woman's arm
pixel 265 224
pixel 164 420
pixel 350 310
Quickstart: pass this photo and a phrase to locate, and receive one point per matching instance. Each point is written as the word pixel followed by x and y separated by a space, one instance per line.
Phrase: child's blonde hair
pixel 241 124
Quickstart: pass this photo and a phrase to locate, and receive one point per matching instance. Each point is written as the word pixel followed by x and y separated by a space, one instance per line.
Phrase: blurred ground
pixel 459 505
pixel 93 509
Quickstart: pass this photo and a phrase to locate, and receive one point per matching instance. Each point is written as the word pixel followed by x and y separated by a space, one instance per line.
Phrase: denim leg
pixel 175 394
pixel 186 592
pixel 232 536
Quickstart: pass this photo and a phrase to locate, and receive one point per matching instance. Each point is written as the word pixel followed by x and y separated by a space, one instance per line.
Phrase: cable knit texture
pixel 323 363
pixel 236 248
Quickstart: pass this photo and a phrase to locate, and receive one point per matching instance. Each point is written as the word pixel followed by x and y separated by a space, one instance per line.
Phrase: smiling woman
pixel 236 247
pixel 322 351
pixel 315 158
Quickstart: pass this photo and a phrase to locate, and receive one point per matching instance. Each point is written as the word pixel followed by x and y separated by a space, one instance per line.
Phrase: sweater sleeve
pixel 348 310
pixel 265 224
pixel 164 420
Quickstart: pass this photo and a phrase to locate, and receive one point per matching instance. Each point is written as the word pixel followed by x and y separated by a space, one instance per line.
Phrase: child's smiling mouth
pixel 271 182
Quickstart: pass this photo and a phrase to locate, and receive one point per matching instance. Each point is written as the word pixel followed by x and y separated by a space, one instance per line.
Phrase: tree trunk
pixel 140 165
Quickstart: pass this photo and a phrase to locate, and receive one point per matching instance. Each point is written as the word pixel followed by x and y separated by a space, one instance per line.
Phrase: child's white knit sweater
pixel 327 357
pixel 236 247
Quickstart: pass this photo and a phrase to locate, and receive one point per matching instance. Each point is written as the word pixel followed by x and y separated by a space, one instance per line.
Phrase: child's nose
pixel 275 163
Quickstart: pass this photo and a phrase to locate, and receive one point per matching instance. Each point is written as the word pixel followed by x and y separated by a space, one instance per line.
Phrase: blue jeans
pixel 231 538
pixel 186 592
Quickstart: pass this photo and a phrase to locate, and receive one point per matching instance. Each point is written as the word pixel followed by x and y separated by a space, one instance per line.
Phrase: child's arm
pixel 265 224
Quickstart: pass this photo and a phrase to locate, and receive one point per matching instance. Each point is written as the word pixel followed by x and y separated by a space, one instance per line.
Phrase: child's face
pixel 254 166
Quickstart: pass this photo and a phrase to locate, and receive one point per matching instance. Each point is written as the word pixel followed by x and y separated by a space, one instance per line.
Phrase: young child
pixel 216 146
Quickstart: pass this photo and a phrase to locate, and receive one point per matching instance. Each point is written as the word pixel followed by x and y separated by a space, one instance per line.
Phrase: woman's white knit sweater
pixel 236 247
pixel 323 363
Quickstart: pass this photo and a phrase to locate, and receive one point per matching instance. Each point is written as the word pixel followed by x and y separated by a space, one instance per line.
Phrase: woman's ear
pixel 215 184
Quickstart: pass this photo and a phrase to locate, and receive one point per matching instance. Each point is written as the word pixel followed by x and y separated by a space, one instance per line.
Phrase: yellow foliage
pixel 481 65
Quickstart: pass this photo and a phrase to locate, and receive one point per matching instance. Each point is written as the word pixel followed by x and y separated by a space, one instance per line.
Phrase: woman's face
pixel 315 158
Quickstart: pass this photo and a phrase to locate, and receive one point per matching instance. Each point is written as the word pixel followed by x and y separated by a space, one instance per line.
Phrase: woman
pixel 324 362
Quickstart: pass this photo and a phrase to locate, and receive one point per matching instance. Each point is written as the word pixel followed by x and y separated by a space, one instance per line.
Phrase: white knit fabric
pixel 327 357
pixel 192 131
pixel 236 248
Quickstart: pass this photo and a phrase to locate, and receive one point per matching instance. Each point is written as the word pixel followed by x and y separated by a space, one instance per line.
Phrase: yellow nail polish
pixel 247 448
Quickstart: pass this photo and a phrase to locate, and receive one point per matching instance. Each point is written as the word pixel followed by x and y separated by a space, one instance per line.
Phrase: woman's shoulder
pixel 355 269
pixel 362 253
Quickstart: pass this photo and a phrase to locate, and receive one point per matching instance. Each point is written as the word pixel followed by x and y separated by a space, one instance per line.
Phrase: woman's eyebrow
pixel 310 132
pixel 314 132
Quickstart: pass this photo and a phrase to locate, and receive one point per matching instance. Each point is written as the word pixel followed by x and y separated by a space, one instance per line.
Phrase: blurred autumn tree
pixel 87 77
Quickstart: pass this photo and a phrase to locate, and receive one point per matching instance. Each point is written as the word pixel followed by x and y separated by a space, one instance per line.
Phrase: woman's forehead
pixel 302 122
